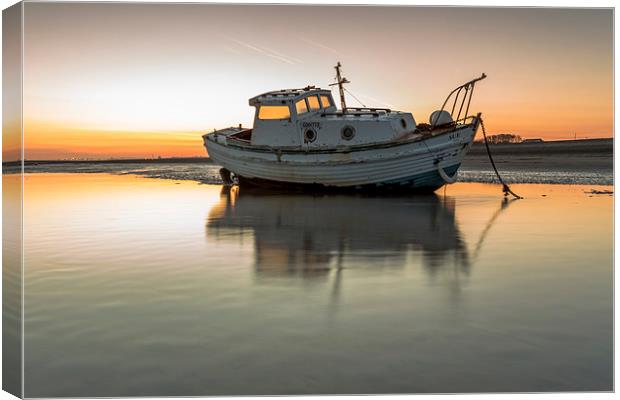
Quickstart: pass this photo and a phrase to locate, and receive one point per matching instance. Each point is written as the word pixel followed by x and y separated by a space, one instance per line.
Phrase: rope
pixel 429 150
pixel 358 100
pixel 487 228
pixel 505 187
pixel 448 179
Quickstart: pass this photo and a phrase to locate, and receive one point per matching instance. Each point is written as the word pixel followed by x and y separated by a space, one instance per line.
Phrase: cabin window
pixel 301 106
pixel 313 103
pixel 326 101
pixel 274 112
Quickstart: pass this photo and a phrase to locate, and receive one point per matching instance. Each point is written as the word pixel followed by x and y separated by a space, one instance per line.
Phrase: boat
pixel 301 139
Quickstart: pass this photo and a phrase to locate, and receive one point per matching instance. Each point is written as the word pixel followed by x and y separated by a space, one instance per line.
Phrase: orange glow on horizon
pixel 44 141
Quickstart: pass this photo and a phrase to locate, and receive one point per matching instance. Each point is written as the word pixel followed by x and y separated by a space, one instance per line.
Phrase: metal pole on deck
pixel 340 81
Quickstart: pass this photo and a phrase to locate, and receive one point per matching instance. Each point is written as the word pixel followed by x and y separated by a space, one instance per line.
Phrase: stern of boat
pixel 224 136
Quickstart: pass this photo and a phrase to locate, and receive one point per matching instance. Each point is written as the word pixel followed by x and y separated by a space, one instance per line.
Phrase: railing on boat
pixel 464 120
pixel 427 129
pixel 468 89
pixel 358 111
pixel 368 109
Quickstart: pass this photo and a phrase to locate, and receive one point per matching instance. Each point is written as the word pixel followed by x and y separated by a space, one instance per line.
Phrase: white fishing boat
pixel 300 138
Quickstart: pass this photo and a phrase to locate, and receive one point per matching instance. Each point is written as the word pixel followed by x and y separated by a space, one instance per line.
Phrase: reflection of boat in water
pixel 309 235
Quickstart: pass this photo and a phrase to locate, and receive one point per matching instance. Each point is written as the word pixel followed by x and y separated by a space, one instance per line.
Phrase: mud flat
pixel 594 155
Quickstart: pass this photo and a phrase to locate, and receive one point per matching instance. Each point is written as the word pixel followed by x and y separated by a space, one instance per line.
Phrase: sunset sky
pixel 143 80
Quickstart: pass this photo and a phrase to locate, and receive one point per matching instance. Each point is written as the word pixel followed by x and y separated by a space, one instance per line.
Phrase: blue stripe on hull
pixel 430 179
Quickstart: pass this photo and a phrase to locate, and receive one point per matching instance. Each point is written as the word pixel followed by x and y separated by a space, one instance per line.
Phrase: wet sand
pixel 575 156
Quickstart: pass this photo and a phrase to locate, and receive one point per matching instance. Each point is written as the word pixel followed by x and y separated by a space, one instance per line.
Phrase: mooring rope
pixel 505 187
pixel 352 95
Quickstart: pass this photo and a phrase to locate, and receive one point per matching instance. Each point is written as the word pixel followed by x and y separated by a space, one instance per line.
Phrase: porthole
pixel 309 135
pixel 403 123
pixel 347 133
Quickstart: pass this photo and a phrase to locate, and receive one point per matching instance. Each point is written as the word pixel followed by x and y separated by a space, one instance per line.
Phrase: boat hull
pixel 426 182
pixel 423 164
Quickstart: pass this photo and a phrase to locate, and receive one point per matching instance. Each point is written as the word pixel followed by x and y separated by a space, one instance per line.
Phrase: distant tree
pixel 503 138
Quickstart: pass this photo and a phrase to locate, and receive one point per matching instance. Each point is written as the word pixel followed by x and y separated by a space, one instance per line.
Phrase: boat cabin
pixel 309 118
pixel 279 113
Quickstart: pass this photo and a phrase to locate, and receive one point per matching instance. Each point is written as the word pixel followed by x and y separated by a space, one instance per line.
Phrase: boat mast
pixel 340 82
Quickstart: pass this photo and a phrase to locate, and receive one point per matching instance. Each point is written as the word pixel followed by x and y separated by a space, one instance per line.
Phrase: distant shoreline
pixel 171 160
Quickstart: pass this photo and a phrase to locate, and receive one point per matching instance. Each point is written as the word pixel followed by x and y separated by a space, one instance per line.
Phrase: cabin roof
pixel 278 96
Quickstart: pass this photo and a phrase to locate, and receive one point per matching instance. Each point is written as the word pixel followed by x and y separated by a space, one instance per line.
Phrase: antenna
pixel 340 81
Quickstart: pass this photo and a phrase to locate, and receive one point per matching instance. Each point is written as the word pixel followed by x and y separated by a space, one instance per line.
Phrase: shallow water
pixel 141 286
